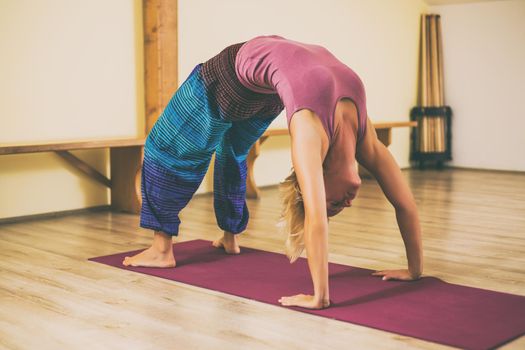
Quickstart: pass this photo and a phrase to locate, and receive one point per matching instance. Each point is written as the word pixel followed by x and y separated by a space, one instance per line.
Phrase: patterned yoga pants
pixel 178 151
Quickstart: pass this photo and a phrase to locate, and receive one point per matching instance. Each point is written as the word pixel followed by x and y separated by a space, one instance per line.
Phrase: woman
pixel 224 106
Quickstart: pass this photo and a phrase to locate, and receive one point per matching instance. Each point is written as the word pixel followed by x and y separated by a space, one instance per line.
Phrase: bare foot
pixel 228 242
pixel 151 257
pixel 160 254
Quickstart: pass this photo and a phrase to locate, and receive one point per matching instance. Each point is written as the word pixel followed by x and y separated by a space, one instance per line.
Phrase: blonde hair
pixel 291 222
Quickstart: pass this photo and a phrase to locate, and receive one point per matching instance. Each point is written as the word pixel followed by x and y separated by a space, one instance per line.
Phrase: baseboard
pixel 55 214
pixel 483 170
pixel 487 170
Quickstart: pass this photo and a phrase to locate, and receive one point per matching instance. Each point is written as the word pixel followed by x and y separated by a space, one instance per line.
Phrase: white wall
pixel 484 62
pixel 71 69
pixel 377 38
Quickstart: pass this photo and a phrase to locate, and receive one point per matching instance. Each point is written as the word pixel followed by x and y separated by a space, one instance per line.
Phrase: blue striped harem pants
pixel 178 151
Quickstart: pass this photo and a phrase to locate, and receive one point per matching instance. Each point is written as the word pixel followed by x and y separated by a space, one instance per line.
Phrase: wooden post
pixel 160 56
pixel 161 81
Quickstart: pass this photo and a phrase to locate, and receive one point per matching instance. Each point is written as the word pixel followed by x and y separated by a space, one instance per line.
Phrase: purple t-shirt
pixel 303 75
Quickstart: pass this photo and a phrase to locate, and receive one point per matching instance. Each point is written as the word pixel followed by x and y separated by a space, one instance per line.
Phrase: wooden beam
pixel 84 167
pixel 160 56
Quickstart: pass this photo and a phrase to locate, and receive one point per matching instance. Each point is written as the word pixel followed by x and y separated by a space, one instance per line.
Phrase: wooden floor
pixel 51 297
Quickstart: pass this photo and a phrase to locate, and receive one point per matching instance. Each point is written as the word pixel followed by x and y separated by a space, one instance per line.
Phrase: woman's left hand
pixel 395 275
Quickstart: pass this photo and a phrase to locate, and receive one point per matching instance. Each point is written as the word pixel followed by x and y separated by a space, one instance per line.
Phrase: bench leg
pixel 251 187
pixel 125 178
pixel 385 136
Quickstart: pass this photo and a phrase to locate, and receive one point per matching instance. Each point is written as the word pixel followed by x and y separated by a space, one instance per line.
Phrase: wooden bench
pixel 125 163
pixel 126 159
pixel 384 134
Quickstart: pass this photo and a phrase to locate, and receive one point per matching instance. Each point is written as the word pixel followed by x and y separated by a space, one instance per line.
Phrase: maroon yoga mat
pixel 429 309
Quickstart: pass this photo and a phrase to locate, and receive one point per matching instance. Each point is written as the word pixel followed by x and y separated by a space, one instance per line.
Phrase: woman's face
pixel 341 188
pixel 335 207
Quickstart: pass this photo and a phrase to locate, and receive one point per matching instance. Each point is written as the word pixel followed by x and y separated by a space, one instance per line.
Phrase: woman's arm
pixel 307 157
pixel 376 158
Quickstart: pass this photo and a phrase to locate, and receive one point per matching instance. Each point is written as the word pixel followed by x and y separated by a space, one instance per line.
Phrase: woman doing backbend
pixel 224 106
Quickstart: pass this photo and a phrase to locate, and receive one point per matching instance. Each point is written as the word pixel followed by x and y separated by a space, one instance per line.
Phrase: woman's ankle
pixel 162 242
